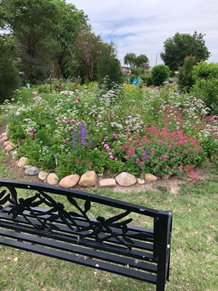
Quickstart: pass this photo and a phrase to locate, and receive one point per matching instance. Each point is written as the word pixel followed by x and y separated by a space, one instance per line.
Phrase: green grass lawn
pixel 194 262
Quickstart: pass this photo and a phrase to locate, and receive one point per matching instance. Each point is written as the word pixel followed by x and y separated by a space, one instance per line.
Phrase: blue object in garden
pixel 133 82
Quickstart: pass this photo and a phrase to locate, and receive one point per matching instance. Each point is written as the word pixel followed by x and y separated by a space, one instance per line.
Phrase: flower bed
pixel 125 129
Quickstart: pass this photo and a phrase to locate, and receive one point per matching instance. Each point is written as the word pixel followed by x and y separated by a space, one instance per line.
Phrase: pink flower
pixel 195 179
pixel 170 173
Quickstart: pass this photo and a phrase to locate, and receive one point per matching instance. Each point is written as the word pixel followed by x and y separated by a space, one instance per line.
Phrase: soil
pixel 172 184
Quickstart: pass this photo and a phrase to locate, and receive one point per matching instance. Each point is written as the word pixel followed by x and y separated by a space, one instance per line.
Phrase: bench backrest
pixel 65 224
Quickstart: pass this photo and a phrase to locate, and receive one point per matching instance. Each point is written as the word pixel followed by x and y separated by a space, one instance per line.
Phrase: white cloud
pixel 142 26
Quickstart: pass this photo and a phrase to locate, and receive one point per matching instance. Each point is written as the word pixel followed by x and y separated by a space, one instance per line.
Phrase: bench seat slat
pixel 80 250
pixel 81 260
pixel 74 239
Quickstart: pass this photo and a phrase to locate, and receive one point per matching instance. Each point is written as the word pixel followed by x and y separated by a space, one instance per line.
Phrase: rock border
pixel 88 179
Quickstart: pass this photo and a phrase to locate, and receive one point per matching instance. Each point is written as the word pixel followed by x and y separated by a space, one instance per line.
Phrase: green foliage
pixel 182 45
pixel 8 71
pixel 71 21
pixel 185 77
pixel 87 48
pixel 109 65
pixel 130 59
pixel 206 84
pixel 142 61
pixel 148 80
pixel 135 62
pixel 101 130
pixel 132 77
pixel 159 74
pixel 44 32
pixel 33 24
pixel 114 167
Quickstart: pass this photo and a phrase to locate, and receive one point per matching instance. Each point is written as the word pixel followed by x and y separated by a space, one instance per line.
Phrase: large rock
pixel 8 142
pixel 42 175
pixel 107 182
pixel 125 179
pixel 32 171
pixel 150 178
pixel 52 179
pixel 140 181
pixel 88 179
pixel 3 139
pixel 9 148
pixel 69 181
pixel 22 162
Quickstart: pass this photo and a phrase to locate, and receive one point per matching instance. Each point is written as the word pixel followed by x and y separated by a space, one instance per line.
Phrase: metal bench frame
pixel 42 225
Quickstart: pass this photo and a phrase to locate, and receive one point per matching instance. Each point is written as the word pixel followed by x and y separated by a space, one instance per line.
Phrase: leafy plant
pixel 185 77
pixel 159 74
pixel 206 84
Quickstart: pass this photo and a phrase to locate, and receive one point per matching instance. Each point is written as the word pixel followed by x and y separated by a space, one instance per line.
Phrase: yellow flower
pixel 40 107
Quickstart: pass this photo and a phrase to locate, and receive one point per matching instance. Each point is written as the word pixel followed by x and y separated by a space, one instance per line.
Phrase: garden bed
pixel 133 130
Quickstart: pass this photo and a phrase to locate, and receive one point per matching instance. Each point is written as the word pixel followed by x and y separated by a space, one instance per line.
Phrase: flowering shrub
pixel 124 129
pixel 161 151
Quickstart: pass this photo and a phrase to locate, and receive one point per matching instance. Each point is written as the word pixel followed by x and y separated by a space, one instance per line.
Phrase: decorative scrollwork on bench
pixel 99 229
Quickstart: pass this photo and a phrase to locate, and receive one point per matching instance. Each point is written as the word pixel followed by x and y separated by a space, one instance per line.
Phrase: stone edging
pixel 88 179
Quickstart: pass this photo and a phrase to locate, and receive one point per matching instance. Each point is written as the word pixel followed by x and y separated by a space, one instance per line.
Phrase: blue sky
pixel 142 26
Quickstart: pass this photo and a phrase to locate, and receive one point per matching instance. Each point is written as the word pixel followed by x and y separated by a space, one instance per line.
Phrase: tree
pixel 185 77
pixel 33 24
pixel 87 51
pixel 130 59
pixel 8 70
pixel 159 74
pixel 142 61
pixel 45 32
pixel 70 22
pixel 182 45
pixel 109 65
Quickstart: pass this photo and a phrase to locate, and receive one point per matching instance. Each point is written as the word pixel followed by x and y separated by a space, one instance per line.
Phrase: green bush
pixel 109 65
pixel 185 77
pixel 9 78
pixel 148 81
pixel 132 77
pixel 206 84
pixel 159 74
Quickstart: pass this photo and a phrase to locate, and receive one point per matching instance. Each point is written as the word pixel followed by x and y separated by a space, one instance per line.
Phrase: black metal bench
pixel 53 221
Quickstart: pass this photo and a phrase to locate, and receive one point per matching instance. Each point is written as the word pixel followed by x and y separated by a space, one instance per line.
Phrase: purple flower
pixel 90 145
pixel 83 135
pixel 145 155
pixel 81 128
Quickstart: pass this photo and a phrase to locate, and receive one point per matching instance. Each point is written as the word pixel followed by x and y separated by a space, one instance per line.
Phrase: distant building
pixel 124 70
